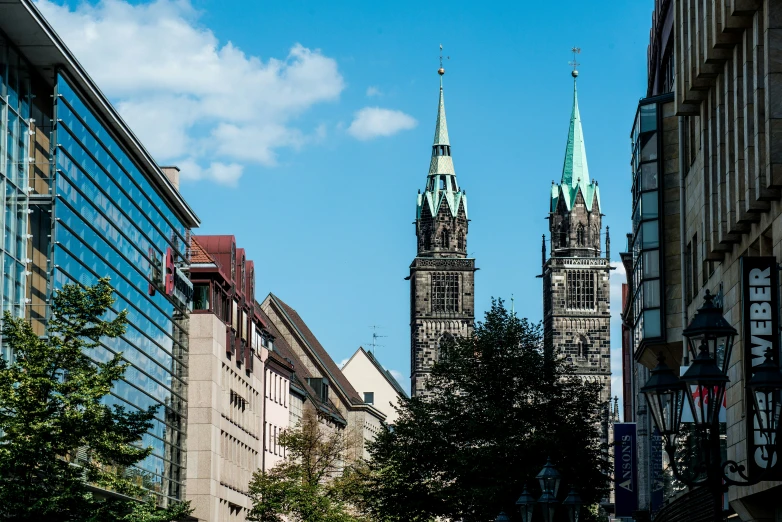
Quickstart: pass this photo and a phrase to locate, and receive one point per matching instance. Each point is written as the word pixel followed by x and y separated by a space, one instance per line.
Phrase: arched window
pixel 562 239
pixel 444 238
pixel 583 346
pixel 580 233
pixel 460 241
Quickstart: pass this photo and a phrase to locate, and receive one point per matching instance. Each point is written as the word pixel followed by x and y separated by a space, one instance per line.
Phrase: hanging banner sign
pixel 656 467
pixel 760 332
pixel 625 469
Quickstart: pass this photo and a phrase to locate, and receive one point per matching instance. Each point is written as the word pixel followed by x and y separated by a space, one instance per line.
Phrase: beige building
pixel 226 390
pixel 707 190
pixel 376 384
pixel 337 400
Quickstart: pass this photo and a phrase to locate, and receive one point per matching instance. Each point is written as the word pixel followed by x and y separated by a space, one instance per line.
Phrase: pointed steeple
pixel 441 129
pixel 575 170
pixel 441 185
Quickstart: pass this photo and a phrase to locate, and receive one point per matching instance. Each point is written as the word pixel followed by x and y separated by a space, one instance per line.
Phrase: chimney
pixel 172 173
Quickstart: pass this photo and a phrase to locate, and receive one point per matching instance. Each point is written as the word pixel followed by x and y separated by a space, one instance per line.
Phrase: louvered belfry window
pixel 445 292
pixel 580 290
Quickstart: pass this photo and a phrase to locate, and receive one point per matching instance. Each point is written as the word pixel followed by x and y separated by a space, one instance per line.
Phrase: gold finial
pixel 574 63
pixel 441 71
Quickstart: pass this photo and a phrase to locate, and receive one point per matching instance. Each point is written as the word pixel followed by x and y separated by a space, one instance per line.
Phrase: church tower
pixel 576 289
pixel 442 301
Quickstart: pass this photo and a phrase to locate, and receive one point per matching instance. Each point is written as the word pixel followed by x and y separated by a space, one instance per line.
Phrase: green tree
pixel 498 407
pixel 58 438
pixel 308 486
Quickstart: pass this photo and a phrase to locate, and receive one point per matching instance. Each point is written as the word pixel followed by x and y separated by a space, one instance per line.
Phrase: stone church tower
pixel 442 301
pixel 576 289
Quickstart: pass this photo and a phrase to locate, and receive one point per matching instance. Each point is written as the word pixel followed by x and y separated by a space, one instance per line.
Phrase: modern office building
pixel 83 199
pixel 707 206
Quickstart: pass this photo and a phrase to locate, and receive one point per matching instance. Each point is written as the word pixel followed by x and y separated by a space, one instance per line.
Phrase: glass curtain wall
pixel 14 163
pixel 646 248
pixel 110 221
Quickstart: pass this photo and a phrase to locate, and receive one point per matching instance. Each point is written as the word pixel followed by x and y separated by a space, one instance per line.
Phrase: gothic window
pixel 445 292
pixel 583 346
pixel 444 238
pixel 427 239
pixel 580 239
pixel 460 241
pixel 580 290
pixel 562 239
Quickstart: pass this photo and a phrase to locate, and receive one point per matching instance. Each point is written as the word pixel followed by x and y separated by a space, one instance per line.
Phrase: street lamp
pixel 549 479
pixel 704 384
pixel 526 503
pixel 573 504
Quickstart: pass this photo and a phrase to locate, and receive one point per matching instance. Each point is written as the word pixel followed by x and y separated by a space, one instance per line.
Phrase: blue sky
pixel 304 128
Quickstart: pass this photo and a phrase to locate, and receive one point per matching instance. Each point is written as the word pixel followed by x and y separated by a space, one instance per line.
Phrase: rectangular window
pixel 445 292
pixel 369 397
pixel 580 290
pixel 201 296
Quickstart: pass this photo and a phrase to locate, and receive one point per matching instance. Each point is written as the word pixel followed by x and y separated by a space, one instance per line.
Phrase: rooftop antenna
pixel 375 337
pixel 574 63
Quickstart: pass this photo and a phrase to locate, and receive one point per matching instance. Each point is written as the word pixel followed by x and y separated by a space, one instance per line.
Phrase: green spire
pixel 441 129
pixel 575 170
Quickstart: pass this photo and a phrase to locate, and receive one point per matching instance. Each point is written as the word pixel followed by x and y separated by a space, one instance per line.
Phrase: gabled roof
pixel 385 373
pixel 198 255
pixel 326 362
pixel 300 372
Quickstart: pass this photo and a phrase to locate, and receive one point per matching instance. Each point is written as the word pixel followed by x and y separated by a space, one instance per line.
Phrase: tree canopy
pixel 308 486
pixel 497 407
pixel 61 445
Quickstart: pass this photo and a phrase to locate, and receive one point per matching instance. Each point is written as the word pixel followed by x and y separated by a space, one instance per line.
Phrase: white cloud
pixel 373 91
pixel 191 99
pixel 372 122
pixel 618 277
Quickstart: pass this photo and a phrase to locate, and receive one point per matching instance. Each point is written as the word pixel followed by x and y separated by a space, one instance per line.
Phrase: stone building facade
pixel 576 289
pixel 442 289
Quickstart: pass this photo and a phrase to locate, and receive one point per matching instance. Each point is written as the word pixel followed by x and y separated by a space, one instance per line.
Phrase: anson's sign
pixel 760 332
pixel 625 469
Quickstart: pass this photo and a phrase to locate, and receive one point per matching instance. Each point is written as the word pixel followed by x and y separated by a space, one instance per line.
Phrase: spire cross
pixel 441 71
pixel 574 63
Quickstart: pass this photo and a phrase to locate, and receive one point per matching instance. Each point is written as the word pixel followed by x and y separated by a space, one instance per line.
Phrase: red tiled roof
pixel 320 353
pixel 198 254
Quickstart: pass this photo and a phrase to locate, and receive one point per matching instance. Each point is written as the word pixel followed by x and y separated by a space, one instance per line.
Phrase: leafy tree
pixel 57 436
pixel 308 485
pixel 497 408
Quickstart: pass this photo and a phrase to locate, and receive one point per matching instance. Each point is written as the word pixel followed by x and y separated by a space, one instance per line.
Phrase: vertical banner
pixel 760 332
pixel 625 470
pixel 656 468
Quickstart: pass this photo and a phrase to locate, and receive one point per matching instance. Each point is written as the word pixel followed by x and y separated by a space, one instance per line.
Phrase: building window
pixel 201 296
pixel 369 397
pixel 580 240
pixel 580 290
pixel 583 346
pixel 445 292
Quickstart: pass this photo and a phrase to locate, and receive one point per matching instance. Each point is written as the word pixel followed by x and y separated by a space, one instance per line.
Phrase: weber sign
pixel 625 469
pixel 760 331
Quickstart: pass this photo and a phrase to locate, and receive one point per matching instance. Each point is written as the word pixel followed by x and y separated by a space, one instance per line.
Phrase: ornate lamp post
pixel 713 337
pixel 549 479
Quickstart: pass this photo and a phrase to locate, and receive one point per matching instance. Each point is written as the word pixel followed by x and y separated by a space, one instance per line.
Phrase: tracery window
pixel 580 290
pixel 445 292
pixel 580 240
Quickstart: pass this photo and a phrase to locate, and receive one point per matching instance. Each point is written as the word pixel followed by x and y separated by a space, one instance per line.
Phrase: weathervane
pixel 441 71
pixel 574 63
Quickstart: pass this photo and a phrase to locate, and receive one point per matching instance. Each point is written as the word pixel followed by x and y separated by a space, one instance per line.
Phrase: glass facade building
pixel 15 116
pixel 82 200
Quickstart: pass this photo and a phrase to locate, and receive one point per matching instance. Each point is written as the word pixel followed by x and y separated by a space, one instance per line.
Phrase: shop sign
pixel 625 469
pixel 166 276
pixel 760 332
